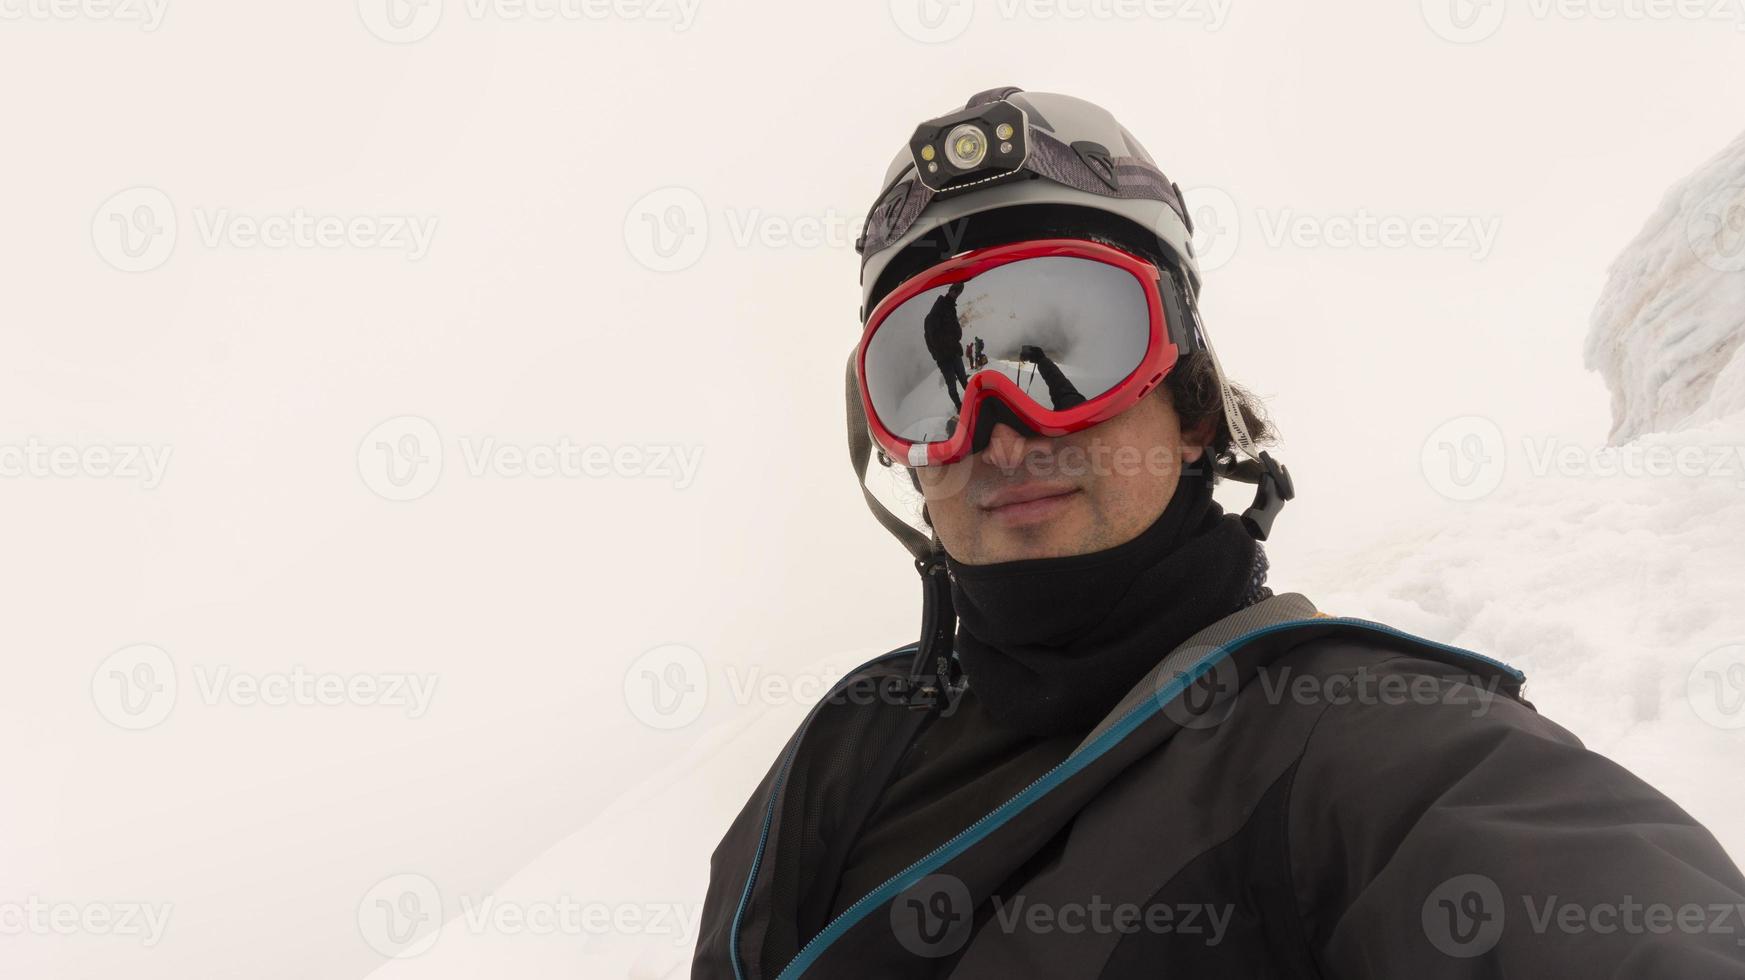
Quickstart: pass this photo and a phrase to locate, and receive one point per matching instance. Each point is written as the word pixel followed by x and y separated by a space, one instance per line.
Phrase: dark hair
pixel 1195 394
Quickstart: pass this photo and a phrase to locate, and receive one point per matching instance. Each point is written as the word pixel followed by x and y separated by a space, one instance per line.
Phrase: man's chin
pixel 1059 539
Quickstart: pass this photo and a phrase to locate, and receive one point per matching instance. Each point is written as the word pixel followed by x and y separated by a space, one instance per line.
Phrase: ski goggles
pixel 1065 333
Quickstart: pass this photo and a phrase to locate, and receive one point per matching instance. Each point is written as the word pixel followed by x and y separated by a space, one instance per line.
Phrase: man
pixel 1115 753
pixel 944 333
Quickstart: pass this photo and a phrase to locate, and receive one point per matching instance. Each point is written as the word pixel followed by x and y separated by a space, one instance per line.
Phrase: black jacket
pixel 942 330
pixel 1287 795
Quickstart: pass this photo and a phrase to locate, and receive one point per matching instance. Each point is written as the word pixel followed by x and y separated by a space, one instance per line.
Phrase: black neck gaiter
pixel 1050 645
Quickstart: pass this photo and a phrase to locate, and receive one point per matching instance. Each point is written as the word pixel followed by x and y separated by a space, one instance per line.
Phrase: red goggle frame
pixel 1161 352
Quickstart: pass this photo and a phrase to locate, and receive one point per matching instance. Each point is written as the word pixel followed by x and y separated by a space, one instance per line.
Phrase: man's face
pixel 1024 497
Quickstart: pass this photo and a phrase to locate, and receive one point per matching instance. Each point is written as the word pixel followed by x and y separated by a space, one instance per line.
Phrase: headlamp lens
pixel 966 146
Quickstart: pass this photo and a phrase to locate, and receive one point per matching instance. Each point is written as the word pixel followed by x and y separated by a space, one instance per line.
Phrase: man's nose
pixel 1006 447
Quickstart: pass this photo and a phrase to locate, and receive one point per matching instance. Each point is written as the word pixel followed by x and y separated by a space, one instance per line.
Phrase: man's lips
pixel 1028 502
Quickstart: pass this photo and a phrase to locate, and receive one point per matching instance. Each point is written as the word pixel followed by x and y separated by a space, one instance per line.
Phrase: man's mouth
pixel 1028 503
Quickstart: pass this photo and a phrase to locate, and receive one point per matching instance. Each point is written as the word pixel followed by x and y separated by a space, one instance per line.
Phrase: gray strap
pixel 860 454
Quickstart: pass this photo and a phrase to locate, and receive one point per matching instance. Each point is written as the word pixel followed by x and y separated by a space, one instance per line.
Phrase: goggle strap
pixel 920 546
pixel 1239 436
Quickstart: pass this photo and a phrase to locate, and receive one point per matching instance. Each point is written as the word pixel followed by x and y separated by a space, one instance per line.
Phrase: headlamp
pixel 971 146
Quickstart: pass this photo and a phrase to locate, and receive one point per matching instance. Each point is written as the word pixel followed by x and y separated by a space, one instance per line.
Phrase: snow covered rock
pixel 1670 322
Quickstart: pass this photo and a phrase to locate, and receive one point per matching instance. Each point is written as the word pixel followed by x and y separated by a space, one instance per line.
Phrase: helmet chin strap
pixel 1271 479
pixel 935 678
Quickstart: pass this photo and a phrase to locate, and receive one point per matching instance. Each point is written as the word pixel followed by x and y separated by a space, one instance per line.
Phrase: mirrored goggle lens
pixel 1063 329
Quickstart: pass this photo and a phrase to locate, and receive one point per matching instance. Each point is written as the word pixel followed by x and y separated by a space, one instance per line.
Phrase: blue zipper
pixel 1043 784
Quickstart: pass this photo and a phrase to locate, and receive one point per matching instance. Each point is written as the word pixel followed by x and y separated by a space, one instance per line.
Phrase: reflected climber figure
pixel 944 341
